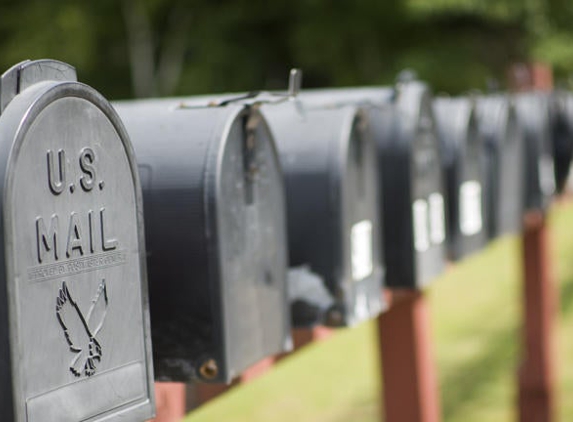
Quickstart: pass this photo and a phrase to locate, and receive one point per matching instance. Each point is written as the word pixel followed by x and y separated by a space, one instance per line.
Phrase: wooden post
pixel 530 76
pixel 536 374
pixel 170 401
pixel 304 336
pixel 410 388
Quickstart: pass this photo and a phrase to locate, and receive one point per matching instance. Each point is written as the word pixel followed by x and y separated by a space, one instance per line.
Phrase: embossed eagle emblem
pixel 80 331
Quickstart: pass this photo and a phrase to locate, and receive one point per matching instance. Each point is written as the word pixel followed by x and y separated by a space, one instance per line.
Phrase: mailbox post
pixel 216 235
pixel 74 322
pixel 462 161
pixel 504 145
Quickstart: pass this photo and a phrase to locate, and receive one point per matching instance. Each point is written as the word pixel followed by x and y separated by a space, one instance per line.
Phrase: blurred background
pixel 143 48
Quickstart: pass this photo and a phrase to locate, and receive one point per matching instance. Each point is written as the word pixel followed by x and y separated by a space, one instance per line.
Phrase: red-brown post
pixel 170 401
pixel 530 76
pixel 410 387
pixel 536 374
pixel 303 336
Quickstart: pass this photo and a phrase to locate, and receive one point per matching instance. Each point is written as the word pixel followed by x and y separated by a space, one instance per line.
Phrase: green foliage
pixel 165 47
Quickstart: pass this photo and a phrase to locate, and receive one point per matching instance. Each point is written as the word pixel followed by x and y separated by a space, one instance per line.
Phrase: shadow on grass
pixel 467 380
pixel 363 411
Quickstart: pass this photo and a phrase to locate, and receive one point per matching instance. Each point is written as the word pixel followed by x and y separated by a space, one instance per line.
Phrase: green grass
pixel 476 321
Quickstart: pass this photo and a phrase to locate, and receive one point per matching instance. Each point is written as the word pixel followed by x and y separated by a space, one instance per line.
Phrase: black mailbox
pixel 533 115
pixel 215 223
pixel 412 197
pixel 328 158
pixel 462 153
pixel 74 318
pixel 504 146
pixel 562 136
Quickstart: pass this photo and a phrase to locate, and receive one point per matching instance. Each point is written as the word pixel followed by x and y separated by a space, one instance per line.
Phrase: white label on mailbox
pixel 546 175
pixel 437 220
pixel 470 208
pixel 361 249
pixel 361 310
pixel 421 236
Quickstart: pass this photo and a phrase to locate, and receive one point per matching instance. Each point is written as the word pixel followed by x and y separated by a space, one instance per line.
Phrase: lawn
pixel 476 321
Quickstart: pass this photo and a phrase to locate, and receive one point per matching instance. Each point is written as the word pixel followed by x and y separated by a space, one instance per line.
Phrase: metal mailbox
pixel 504 145
pixel 533 115
pixel 216 236
pixel 561 136
pixel 412 199
pixel 74 321
pixel 329 163
pixel 463 156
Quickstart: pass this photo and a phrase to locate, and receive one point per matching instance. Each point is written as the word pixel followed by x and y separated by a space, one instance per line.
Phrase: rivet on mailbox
pixel 216 236
pixel 75 341
pixel 463 155
pixel 504 146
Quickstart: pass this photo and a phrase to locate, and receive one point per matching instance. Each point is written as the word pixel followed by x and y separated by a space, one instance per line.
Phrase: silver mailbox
pixel 504 144
pixel 74 320
pixel 463 158
pixel 412 198
pixel 216 236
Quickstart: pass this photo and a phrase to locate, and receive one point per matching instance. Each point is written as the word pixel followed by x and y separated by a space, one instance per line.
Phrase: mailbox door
pixel 533 116
pixel 503 165
pixel 511 175
pixel 246 192
pixel 313 201
pixel 360 205
pixel 74 250
pixel 471 207
pixel 462 158
pixel 490 117
pixel 561 137
pixel 428 204
pixel 331 203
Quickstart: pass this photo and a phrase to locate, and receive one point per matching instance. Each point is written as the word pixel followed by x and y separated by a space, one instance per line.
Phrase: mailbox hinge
pixel 30 72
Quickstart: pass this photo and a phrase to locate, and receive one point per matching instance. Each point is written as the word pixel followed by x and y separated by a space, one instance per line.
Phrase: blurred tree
pixel 156 33
pixel 165 47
